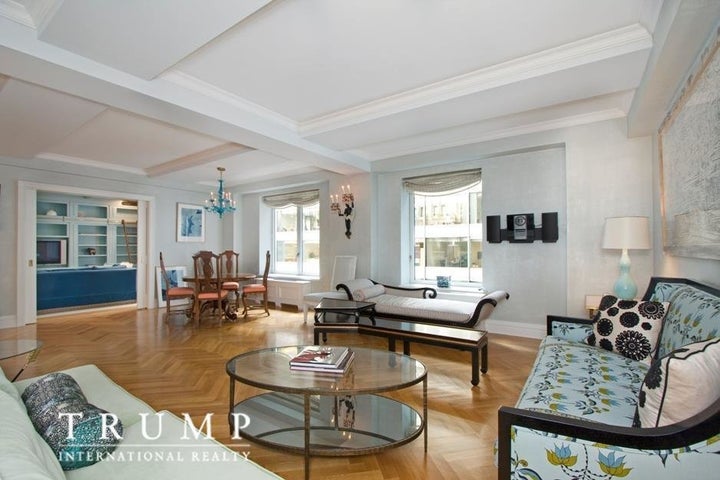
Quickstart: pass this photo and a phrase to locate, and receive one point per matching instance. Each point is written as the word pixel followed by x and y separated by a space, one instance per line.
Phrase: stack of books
pixel 323 360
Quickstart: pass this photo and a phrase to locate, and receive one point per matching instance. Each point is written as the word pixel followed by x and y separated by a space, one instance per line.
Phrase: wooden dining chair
pixel 257 289
pixel 229 266
pixel 208 285
pixel 174 292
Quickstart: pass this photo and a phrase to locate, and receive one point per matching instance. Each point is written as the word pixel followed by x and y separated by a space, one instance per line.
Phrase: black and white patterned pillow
pixel 628 327
pixel 681 384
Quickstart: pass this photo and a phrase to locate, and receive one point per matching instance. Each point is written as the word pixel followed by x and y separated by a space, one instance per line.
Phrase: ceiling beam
pixel 198 158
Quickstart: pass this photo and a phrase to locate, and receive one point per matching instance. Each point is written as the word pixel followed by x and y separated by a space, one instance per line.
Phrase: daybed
pixel 634 412
pixel 157 453
pixel 421 304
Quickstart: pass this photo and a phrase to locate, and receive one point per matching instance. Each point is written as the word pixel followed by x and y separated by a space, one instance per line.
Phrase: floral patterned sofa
pixel 589 413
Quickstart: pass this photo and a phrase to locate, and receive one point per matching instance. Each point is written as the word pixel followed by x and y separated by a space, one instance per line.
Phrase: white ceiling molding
pixel 31 13
pixel 198 158
pixel 200 87
pixel 618 42
pixel 16 12
pixel 525 129
pixel 91 163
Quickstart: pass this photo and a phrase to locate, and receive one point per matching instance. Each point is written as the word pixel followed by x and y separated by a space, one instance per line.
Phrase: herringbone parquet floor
pixel 181 368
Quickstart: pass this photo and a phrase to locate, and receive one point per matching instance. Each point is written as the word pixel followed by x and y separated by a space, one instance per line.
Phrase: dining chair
pixel 174 292
pixel 257 289
pixel 208 284
pixel 229 266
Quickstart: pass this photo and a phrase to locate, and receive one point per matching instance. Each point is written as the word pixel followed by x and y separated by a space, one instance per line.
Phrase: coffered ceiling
pixel 273 89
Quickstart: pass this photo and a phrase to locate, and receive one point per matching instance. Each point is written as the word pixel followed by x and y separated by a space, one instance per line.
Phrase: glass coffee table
pixel 324 415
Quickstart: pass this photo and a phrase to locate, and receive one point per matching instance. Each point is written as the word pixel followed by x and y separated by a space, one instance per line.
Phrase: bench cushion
pixel 578 380
pixel 445 311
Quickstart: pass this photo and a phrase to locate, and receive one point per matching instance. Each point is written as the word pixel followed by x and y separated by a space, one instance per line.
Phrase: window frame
pixel 299 238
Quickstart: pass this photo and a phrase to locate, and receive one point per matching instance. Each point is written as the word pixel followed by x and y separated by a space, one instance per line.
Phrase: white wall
pixel 163 230
pixel 601 174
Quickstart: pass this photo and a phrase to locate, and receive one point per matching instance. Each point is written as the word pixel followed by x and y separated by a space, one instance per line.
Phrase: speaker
pixel 550 227
pixel 492 229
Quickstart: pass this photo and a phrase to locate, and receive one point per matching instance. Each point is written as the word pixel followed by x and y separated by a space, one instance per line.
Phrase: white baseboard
pixel 8 321
pixel 517 329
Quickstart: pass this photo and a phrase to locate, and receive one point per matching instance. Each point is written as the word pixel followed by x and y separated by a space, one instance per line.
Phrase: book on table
pixel 329 360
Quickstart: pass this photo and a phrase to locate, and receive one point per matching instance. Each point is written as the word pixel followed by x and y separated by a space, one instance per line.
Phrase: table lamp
pixel 626 233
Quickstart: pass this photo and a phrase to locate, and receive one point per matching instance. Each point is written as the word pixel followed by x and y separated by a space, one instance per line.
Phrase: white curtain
pixel 300 199
pixel 443 182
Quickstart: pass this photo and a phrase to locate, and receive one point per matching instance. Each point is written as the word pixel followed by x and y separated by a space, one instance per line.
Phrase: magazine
pixel 325 369
pixel 320 357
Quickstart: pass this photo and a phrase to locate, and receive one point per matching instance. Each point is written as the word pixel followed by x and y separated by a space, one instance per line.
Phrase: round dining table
pixel 238 277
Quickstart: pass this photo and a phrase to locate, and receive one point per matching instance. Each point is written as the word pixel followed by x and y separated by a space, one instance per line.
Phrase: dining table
pixel 237 277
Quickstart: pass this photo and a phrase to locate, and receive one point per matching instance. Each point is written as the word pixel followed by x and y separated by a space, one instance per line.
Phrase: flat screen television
pixel 52 252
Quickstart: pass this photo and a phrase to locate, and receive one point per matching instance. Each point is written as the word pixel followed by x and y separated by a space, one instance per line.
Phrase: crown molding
pixel 16 12
pixel 606 45
pixel 90 163
pixel 34 15
pixel 201 87
pixel 526 129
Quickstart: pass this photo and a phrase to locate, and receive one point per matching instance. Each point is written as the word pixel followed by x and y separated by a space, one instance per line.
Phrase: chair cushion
pixel 680 385
pixel 180 291
pixel 231 286
pixel 88 442
pixel 254 288
pixel 212 295
pixel 628 327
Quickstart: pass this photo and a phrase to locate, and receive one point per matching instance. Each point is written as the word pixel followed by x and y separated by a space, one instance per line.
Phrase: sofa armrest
pixel 569 328
pixel 694 430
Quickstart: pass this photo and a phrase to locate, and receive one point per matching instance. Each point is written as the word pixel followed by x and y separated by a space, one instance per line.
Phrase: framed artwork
pixel 689 145
pixel 176 275
pixel 190 223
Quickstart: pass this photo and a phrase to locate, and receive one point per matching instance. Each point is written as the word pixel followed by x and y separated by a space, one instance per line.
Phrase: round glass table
pixel 326 415
pixel 14 348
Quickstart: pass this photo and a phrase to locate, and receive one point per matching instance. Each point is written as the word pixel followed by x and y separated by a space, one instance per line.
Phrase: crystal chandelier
pixel 221 201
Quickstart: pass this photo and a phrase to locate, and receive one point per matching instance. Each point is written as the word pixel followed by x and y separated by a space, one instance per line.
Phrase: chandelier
pixel 221 201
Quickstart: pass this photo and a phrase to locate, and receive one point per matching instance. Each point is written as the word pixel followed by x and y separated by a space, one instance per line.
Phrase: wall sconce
pixel 348 208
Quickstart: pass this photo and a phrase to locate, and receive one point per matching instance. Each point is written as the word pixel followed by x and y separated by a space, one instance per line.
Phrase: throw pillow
pixel 628 327
pixel 363 294
pixel 680 385
pixel 59 393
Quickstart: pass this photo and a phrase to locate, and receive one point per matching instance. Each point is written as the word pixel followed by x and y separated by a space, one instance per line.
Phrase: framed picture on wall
pixel 176 275
pixel 190 223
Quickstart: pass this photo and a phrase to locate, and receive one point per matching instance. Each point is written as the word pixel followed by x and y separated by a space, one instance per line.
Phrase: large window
pixel 296 233
pixel 447 224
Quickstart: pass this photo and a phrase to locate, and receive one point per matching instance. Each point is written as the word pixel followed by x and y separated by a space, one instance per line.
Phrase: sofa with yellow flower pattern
pixel 587 413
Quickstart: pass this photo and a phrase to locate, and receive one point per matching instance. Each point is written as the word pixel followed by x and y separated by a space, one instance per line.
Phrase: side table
pixel 14 348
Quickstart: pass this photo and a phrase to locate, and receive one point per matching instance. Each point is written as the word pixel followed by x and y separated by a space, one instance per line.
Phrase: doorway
pixel 27 236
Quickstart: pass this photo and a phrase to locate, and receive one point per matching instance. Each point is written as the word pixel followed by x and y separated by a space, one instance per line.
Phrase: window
pixel 447 225
pixel 296 233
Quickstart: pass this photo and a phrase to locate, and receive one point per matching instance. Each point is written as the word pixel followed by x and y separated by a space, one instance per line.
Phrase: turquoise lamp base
pixel 625 288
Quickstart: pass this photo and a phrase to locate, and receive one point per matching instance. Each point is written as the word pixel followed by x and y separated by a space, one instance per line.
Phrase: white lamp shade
pixel 627 233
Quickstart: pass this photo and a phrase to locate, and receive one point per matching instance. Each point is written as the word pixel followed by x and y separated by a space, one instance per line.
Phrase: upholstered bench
pixel 421 304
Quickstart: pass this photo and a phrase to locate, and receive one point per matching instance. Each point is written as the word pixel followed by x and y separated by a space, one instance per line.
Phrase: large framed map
pixel 689 143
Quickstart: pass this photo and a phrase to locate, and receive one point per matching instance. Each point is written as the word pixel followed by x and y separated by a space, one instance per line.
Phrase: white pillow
pixel 363 294
pixel 681 384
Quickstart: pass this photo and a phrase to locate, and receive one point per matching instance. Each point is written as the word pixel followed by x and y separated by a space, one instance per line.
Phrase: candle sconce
pixel 346 209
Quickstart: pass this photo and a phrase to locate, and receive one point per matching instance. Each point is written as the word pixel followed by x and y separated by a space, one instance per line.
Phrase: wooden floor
pixel 181 368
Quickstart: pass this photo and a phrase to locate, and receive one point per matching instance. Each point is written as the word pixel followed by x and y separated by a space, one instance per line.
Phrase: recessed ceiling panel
pixel 142 37
pixel 33 118
pixel 304 59
pixel 125 139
